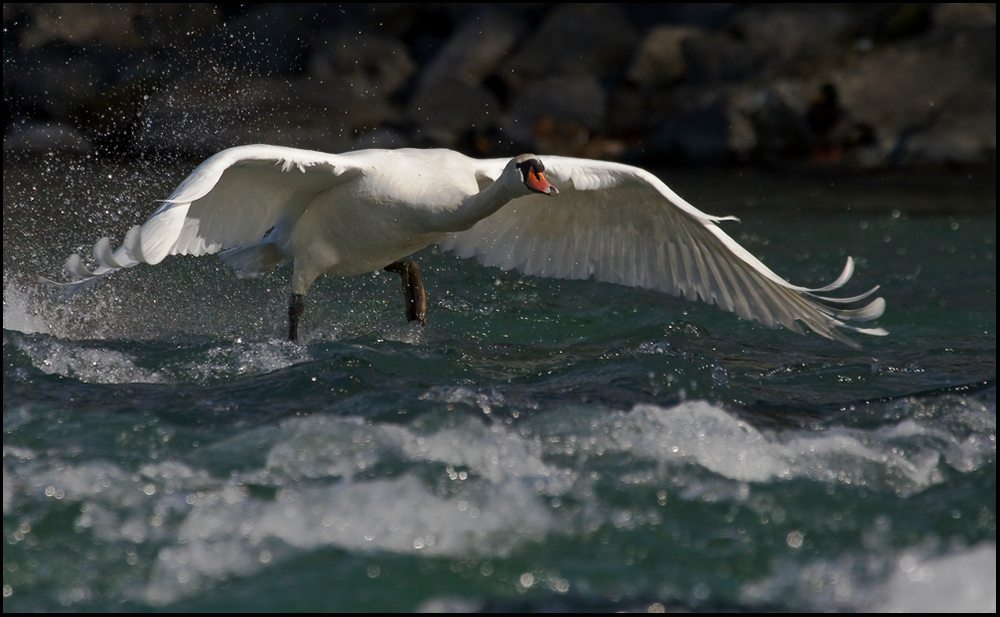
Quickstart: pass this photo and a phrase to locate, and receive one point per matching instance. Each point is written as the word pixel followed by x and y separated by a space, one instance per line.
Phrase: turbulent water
pixel 539 445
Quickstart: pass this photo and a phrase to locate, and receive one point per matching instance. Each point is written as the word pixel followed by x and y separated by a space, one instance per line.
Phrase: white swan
pixel 363 211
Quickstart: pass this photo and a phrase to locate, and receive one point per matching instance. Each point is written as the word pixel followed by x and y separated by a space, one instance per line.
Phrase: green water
pixel 540 445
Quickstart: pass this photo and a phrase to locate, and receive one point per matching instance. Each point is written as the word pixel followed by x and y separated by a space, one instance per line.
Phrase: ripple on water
pixel 461 485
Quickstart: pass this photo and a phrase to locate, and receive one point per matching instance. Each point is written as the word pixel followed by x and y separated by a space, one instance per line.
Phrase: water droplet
pixel 795 539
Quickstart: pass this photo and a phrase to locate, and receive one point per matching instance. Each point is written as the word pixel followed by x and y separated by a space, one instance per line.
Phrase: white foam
pixel 8 490
pixel 18 313
pixel 963 582
pixel 243 359
pixel 906 458
pixel 226 533
pixel 455 485
pixel 92 365
pixel 819 585
pixel 320 446
pixel 31 308
pixel 492 503
pixel 910 581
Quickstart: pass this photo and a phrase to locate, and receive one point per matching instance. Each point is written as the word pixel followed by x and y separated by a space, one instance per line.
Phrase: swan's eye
pixel 531 168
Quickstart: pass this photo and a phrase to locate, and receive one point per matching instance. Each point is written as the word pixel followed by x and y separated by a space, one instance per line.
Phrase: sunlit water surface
pixel 539 445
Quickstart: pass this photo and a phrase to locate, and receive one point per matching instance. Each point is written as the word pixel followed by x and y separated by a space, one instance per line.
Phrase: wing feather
pixel 230 200
pixel 621 224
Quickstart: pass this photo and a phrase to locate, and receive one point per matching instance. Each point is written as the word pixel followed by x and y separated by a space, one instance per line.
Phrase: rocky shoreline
pixel 845 86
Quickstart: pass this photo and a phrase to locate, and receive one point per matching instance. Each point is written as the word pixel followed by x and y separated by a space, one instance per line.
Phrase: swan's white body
pixel 359 211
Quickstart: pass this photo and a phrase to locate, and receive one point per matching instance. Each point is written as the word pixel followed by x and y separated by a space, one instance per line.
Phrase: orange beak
pixel 537 182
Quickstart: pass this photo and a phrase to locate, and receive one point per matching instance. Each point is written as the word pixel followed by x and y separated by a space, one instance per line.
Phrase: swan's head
pixel 532 173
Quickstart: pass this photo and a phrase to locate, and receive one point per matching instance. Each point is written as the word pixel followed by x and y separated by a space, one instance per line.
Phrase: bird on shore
pixel 260 206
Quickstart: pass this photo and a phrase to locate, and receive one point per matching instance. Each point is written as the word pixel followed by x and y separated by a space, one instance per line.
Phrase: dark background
pixel 860 87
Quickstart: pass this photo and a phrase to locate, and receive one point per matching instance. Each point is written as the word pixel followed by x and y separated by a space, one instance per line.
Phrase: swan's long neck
pixel 475 208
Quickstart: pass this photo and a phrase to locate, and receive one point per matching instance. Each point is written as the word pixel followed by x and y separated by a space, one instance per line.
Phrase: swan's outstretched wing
pixel 231 199
pixel 623 225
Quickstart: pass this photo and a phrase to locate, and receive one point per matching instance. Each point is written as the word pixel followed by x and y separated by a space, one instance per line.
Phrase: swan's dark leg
pixel 413 290
pixel 295 309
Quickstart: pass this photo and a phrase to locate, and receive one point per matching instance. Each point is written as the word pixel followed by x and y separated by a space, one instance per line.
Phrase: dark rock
pixel 52 77
pixel 718 58
pixel 135 26
pixel 369 65
pixel 700 15
pixel 271 39
pixel 561 100
pixel 783 129
pixel 574 138
pixel 430 26
pixel 787 37
pixel 780 130
pixel 206 115
pixel 475 48
pixel 592 39
pixel 110 118
pixel 443 112
pixel 924 105
pixel 628 111
pixel 41 137
pixel 696 136
pixel 660 59
pixel 903 20
pixel 961 16
pixel 703 83
pixel 449 100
